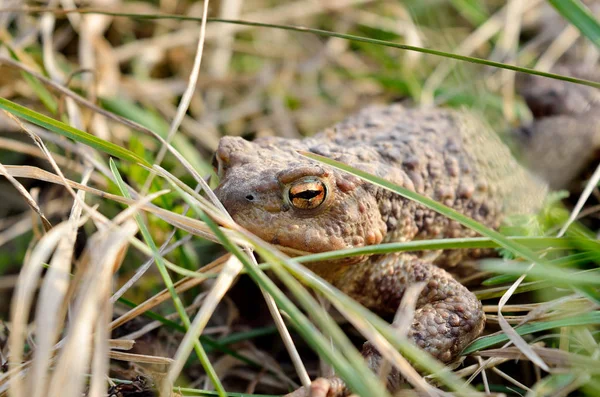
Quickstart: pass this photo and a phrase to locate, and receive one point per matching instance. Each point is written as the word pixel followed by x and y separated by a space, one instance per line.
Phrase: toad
pixel 448 155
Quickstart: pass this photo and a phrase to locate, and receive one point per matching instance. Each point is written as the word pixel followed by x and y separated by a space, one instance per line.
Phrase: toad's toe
pixel 323 387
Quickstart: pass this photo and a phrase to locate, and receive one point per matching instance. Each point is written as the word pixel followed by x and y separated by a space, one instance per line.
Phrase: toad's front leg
pixel 447 317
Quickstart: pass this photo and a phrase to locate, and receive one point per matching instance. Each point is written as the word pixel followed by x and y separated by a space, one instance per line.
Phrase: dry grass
pixel 82 237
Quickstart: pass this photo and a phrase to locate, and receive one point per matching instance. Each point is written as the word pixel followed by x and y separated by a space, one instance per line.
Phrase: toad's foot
pixel 323 387
pixel 447 317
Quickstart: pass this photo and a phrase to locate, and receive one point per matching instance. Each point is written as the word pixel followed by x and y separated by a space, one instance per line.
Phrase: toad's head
pixel 294 202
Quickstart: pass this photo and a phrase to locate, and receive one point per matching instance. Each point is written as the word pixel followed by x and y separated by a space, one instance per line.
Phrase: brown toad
pixel 448 155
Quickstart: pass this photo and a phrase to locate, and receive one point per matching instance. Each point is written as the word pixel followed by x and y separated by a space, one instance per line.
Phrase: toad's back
pixel 448 155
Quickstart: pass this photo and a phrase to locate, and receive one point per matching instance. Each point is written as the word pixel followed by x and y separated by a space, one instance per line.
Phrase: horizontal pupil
pixel 307 194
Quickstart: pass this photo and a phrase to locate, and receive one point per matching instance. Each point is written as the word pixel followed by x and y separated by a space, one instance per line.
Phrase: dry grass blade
pixel 28 198
pixel 104 249
pixel 569 304
pixel 140 358
pixel 278 13
pixel 563 42
pixel 52 307
pixel 585 195
pixel 30 150
pixel 181 286
pixel 16 229
pixel 219 63
pixel 468 46
pixel 187 95
pixel 230 271
pixel 475 369
pixel 22 300
pixel 515 338
pixel 72 95
pixel 402 322
pixel 78 98
pixel 101 349
pixel 168 281
pixel 188 224
pixel 164 250
pixel 484 377
pixel 149 327
pixel 121 344
pixel 285 334
pixel 562 360
pixel 63 181
pixel 371 326
pixel 326 33
pixel 138 205
pixel 389 353
pixel 509 44
pixel 511 379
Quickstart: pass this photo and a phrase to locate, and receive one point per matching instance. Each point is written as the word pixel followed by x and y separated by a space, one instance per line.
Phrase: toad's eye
pixel 307 194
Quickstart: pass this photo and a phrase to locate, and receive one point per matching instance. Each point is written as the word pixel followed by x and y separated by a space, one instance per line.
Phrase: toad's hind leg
pixel 447 316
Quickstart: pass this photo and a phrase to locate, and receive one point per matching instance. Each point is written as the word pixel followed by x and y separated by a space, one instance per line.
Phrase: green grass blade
pixel 472 10
pixel 422 359
pixel 497 292
pixel 245 336
pixel 409 350
pixel 40 90
pixel 326 33
pixel 416 355
pixel 363 385
pixel 155 122
pixel 502 279
pixel 558 277
pixel 70 132
pixel 160 264
pixel 211 344
pixel 589 292
pixel 580 17
pixel 590 318
pixel 205 393
pixel 566 261
pixel 503 241
pixel 440 244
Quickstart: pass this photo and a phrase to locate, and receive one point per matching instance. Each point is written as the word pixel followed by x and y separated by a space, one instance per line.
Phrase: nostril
pixel 250 197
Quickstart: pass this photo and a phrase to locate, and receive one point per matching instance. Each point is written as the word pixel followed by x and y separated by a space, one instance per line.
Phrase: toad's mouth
pixel 293 252
pixel 320 258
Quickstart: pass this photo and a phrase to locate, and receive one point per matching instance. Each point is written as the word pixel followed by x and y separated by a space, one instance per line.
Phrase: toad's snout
pixel 235 201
